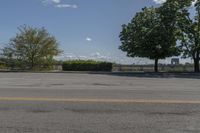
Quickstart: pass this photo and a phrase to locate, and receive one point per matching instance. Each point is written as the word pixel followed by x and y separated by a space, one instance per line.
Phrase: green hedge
pixel 86 65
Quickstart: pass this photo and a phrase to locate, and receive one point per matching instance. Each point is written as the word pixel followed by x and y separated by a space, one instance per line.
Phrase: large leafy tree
pixel 153 33
pixel 33 47
pixel 190 35
pixel 150 34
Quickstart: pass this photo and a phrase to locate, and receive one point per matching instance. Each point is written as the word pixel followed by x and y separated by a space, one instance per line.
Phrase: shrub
pixel 86 65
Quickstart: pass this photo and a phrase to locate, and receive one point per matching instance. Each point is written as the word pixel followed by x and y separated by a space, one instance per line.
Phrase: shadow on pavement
pixel 151 74
pixel 189 75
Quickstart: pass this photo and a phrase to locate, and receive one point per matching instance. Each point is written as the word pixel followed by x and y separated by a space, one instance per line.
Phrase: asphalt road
pixel 98 103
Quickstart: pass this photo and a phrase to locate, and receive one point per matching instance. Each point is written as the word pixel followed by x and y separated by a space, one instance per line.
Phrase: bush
pixel 86 65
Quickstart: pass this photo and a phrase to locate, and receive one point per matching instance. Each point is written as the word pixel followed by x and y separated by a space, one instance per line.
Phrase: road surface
pixel 98 103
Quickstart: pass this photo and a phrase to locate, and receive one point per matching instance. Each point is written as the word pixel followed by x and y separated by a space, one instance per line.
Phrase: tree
pixel 190 35
pixel 32 47
pixel 148 36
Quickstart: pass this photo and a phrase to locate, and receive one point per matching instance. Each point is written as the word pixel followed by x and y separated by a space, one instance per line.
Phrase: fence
pixel 150 68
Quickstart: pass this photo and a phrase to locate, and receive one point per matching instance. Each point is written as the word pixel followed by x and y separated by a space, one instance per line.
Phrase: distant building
pixel 175 61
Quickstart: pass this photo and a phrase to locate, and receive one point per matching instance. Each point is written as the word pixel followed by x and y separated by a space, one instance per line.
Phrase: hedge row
pixel 86 65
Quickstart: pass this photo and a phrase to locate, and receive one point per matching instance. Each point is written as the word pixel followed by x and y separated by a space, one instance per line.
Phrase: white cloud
pixel 88 39
pixel 93 56
pixel 51 1
pixel 159 1
pixel 56 1
pixel 67 56
pixel 98 56
pixel 66 6
pixel 58 4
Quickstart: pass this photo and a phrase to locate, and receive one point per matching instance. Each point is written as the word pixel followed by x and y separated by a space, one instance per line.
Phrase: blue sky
pixel 84 28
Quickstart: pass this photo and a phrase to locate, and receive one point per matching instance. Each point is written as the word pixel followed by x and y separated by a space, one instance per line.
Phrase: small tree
pixel 32 47
pixel 148 37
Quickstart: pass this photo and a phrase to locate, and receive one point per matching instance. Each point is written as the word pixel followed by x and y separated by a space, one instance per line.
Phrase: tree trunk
pixel 32 64
pixel 156 65
pixel 196 63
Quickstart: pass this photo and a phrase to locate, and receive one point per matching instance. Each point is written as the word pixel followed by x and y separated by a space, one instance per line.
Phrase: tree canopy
pixel 190 34
pixel 154 32
pixel 32 47
pixel 147 35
